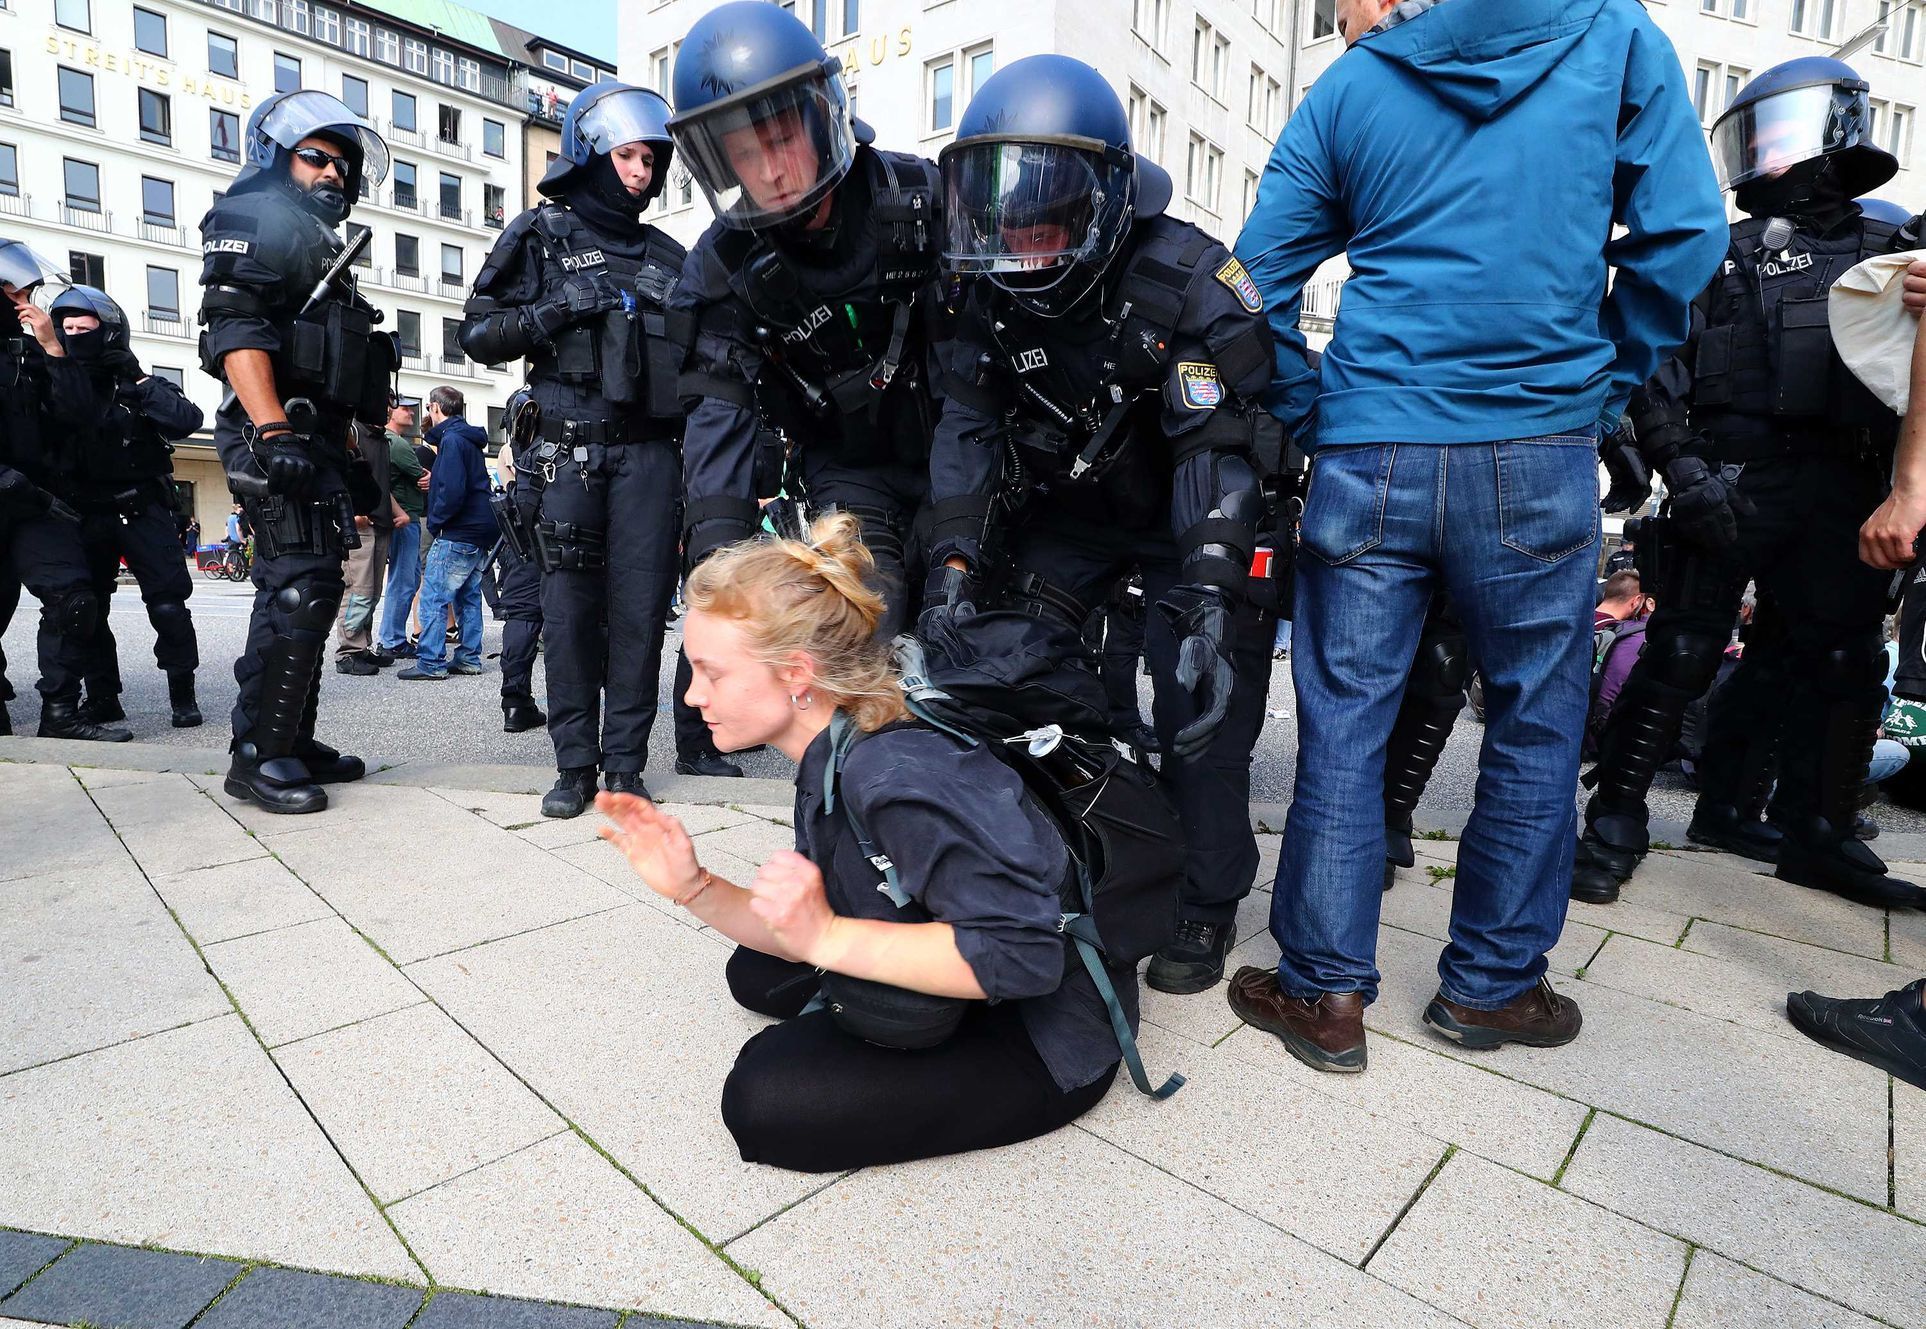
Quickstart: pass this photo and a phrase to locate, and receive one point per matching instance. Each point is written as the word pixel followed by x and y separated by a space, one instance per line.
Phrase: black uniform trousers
pixel 891 501
pixel 521 606
pixel 148 540
pixel 1910 679
pixel 46 557
pixel 603 626
pixel 1212 790
pixel 319 579
pixel 1116 633
pixel 9 601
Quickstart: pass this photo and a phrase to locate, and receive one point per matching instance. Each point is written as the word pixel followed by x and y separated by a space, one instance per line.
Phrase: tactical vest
pixel 125 451
pixel 629 357
pixel 1765 359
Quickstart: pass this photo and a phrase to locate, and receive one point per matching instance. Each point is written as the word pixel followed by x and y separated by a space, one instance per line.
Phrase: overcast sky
pixel 587 25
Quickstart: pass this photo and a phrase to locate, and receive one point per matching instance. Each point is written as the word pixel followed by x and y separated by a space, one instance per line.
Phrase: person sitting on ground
pixel 1620 598
pixel 781 638
pixel 1618 637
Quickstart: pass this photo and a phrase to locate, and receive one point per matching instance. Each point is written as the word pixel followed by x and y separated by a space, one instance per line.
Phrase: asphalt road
pixel 459 719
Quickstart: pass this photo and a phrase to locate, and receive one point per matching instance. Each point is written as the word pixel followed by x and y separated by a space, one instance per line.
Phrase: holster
pixel 283 525
pixel 512 523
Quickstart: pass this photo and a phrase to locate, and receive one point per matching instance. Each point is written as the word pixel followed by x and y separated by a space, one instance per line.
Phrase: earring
pixel 802 701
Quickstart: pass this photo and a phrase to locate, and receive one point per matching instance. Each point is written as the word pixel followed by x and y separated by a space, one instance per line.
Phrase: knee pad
pixel 1848 669
pixel 72 613
pixel 1683 659
pixel 170 616
pixel 1440 669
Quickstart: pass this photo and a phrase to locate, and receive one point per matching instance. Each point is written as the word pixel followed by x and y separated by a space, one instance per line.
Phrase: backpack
pixel 1126 845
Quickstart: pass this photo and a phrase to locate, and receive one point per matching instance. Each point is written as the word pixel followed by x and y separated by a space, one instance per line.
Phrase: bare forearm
pixel 1911 461
pixel 251 374
pixel 919 956
pixel 724 906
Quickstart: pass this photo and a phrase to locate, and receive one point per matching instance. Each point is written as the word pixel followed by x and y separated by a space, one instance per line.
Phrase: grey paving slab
pixel 1908 940
pixel 1909 1149
pixel 411 1100
pixel 201 837
pixel 503 810
pixel 1633 915
pixel 352 809
pixel 117 1287
pixel 1851 1253
pixel 624 1023
pixel 754 841
pixel 1419 905
pixel 189 1139
pixel 89 957
pixel 1319 1169
pixel 605 863
pixel 156 798
pixel 1731 890
pixel 1012 1231
pixel 558 1221
pixel 22 1254
pixel 237 899
pixel 461 1310
pixel 281 1298
pixel 1720 1295
pixel 33 798
pixel 446 880
pixel 100 777
pixel 1750 975
pixel 696 818
pixel 1502 1251
pixel 309 978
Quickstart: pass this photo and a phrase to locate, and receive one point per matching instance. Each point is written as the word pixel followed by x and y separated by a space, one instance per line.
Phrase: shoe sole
pixel 1911 1074
pixel 236 789
pixel 1724 845
pixel 1871 899
pixel 1596 897
pixel 195 723
pixel 1478 1038
pixel 1183 986
pixel 519 728
pixel 1336 1063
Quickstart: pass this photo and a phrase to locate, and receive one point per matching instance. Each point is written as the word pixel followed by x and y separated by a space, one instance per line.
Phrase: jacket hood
pixel 1477 55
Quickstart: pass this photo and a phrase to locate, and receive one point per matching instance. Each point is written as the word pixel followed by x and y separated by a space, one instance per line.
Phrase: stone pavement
pixel 434 1044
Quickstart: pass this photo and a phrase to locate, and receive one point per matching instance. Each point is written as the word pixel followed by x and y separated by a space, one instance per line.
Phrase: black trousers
pixel 9 601
pixel 1116 633
pixel 47 558
pixel 603 626
pixel 807 1096
pixel 521 606
pixel 274 621
pixel 692 737
pixel 1910 679
pixel 1212 790
pixel 148 541
pixel 892 504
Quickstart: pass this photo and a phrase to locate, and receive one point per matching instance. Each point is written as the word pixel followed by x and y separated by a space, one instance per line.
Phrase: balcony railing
pixel 87 219
pixel 16 205
pixel 164 323
pixel 163 233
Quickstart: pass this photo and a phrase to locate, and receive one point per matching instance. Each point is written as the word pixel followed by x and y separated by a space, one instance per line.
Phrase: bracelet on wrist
pixel 708 880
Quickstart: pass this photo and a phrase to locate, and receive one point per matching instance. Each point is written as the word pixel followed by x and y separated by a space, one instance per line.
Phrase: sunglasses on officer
pixel 321 158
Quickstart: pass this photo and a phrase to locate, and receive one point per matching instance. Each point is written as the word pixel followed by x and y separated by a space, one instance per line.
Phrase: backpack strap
pixel 843 735
pixel 1081 930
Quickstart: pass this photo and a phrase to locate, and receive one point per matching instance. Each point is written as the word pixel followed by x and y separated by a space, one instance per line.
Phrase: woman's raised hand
pixel 656 845
pixel 788 897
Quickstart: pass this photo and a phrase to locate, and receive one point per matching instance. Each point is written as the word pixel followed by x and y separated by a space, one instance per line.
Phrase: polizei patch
pixel 227 247
pixel 1202 389
pixel 1232 274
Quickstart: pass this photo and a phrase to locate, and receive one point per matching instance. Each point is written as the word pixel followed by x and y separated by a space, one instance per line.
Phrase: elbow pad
pixel 496 338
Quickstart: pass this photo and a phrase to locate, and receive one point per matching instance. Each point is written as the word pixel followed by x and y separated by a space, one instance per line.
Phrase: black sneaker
pixel 1194 960
pixel 574 790
pixel 626 782
pixel 356 663
pixel 1888 1032
pixel 407 650
pixel 707 763
pixel 382 656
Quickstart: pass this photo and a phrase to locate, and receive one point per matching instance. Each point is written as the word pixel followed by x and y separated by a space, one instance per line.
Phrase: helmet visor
pixel 309 111
pixel 90 300
pixel 1765 138
pixel 772 153
pixel 22 267
pixel 628 115
pixel 1029 207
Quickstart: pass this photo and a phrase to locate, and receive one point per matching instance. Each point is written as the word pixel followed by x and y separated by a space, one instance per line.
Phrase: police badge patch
pixel 1232 274
pixel 1202 389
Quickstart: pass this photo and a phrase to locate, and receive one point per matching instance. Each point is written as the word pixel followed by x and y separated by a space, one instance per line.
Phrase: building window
pixel 659 63
pixel 1203 170
pixel 87 269
pixel 156 201
pixel 408 332
pixel 1150 20
pixel 354 94
pixel 979 63
pixel 451 264
pixel 414 56
pixel 1209 56
pixel 387 46
pixel 355 230
pixel 150 32
pixel 403 114
pixel 224 136
pixel 1323 19
pixel 450 196
pixel 75 14
pixel 294 17
pixel 168 374
pixel 404 178
pixel 407 256
pixel 444 66
pixel 83 185
pixel 164 293
pixel 468 74
pixel 852 16
pixel 357 42
pixel 287 73
pixel 76 97
pixel 1266 100
pixel 582 70
pixel 1250 192
pixel 1713 88
pixel 451 342
pixel 1902 35
pixel 556 61
pixel 156 118
pixel 9 170
pixel 494 139
pixel 1814 18
pixel 942 78
pixel 327 26
pixel 494 206
pixel 450 124
pixel 223 55
pixel 6 78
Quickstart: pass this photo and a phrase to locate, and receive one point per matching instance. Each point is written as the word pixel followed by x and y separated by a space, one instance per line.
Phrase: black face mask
pixel 611 211
pixel 1809 190
pixel 86 347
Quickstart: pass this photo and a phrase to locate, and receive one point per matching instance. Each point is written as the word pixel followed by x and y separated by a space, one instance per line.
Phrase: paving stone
pixel 22 1254
pixel 1850 1253
pixel 1335 1177
pixel 1909 1149
pixel 1720 1294
pixel 239 899
pixel 100 777
pixel 1731 890
pixel 557 1221
pixel 411 1100
pixel 202 837
pixel 605 863
pixel 188 1139
pixel 624 1023
pixel 1631 915
pixel 32 798
pixel 89 957
pixel 1006 1236
pixel 1424 907
pixel 696 818
pixel 359 805
pixel 116 1286
pixel 1499 1250
pixel 160 798
pixel 752 841
pixel 503 810
pixel 1909 939
pixel 305 979
pixel 462 1310
pixel 281 1298
pixel 446 881
pixel 782 814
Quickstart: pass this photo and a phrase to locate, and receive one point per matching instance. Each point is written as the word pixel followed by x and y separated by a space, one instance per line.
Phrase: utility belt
pixel 322 527
pixel 609 433
pixel 1781 440
pixel 128 501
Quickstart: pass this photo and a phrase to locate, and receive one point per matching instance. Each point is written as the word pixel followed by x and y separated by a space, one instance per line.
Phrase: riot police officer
pixel 1101 415
pixel 46 399
pixel 1773 454
pixel 124 492
pixel 288 333
pixel 577 285
pixel 520 581
pixel 813 296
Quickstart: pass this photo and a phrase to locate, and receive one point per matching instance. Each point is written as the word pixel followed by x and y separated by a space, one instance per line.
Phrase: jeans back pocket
pixel 1547 494
pixel 1344 510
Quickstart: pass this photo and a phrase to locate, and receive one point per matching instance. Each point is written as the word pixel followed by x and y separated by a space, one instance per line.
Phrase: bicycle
pixel 236 563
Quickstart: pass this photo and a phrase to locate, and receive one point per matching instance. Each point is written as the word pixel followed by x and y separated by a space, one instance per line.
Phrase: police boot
pixel 6 722
pixel 273 784
pixel 627 782
pixel 1398 852
pixel 180 695
pixel 266 770
pixel 102 710
pixel 574 790
pixel 520 715
pixel 1608 853
pixel 1433 696
pixel 1817 854
pixel 1194 959
pixel 61 719
pixel 1735 830
pixel 327 765
pixel 1737 769
pixel 706 761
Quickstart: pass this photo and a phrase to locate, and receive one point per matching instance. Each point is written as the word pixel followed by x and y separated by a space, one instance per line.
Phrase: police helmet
pixel 603 117
pixel 1805 110
pixel 23 268
pixel 761 115
pixel 111 335
pixel 280 123
pixel 1042 185
pixel 520 417
pixel 1879 209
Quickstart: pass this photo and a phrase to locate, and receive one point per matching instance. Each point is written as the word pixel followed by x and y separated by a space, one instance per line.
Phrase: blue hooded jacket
pixel 1474 160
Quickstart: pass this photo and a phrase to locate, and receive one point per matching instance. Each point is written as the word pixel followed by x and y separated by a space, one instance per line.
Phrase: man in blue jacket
pixel 1473 161
pixel 463 526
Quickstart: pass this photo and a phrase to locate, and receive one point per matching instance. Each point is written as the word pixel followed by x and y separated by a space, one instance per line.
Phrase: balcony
pixel 164 323
pixel 16 205
pixel 549 111
pixel 455 212
pixel 405 200
pixel 458 150
pixel 86 219
pixel 160 233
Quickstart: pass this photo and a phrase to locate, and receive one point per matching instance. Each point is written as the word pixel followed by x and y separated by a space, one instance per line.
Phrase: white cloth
pixel 1872 330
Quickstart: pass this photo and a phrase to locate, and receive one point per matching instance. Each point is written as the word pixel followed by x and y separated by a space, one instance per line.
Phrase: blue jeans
pixel 453 576
pixel 404 577
pixel 1888 759
pixel 1507 529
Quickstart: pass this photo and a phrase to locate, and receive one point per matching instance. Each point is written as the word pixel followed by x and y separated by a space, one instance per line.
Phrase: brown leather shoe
pixel 1539 1018
pixel 1326 1034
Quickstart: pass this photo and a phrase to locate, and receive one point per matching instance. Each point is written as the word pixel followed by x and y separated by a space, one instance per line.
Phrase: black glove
pixel 655 285
pixel 1631 480
pixel 284 460
pixel 1705 506
pixel 1200 619
pixel 582 296
pixel 949 598
pixel 124 365
pixel 17 491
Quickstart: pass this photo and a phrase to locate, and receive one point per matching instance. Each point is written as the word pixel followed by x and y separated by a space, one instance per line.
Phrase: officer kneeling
pixel 292 338
pixel 958 1017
